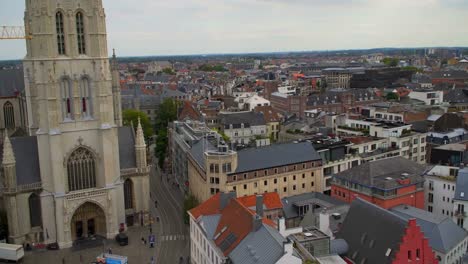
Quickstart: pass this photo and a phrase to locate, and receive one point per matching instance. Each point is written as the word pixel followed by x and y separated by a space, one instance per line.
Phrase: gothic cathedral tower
pixel 74 111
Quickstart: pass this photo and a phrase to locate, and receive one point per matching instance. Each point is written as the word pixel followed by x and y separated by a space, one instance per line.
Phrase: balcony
pixel 22 188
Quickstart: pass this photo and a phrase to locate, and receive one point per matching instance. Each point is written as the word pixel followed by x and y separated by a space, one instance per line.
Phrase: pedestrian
pixel 142 240
pixel 109 251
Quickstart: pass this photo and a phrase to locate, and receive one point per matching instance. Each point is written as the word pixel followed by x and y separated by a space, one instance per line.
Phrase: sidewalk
pixel 135 251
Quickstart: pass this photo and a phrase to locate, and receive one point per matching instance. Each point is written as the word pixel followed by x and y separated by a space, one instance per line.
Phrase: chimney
pixel 224 199
pixel 257 223
pixel 259 205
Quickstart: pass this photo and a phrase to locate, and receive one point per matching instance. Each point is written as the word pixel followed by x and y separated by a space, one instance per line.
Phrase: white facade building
pixel 429 97
pixel 439 189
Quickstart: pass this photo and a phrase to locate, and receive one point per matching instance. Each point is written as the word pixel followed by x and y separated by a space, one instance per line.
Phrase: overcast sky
pixel 168 27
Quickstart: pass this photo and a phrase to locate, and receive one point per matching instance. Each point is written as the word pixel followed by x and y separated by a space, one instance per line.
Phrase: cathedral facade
pixel 80 173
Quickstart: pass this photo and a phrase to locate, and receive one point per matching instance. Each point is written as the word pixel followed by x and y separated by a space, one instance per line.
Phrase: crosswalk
pixel 171 237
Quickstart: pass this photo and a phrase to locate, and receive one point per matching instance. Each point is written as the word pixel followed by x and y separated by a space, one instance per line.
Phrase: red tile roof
pixel 236 218
pixel 270 200
pixel 189 111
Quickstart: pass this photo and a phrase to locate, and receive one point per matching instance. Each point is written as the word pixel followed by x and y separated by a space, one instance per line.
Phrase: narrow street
pixel 172 236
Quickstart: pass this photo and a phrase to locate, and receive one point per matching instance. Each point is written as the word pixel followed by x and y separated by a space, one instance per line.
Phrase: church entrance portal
pixel 88 221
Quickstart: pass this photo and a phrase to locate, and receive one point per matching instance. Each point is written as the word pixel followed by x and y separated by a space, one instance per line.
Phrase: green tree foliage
pixel 392 62
pixel 190 202
pixel 411 68
pixel 210 68
pixel 392 96
pixel 224 136
pixel 167 113
pixel 130 117
pixel 168 71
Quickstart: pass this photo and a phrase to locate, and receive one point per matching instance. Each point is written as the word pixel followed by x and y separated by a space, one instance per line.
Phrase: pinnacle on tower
pixel 140 138
pixel 8 154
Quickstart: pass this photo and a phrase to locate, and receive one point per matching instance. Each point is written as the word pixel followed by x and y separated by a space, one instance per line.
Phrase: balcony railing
pixel 22 188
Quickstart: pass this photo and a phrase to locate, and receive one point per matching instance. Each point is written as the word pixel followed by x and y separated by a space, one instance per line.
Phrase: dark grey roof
pixel 384 173
pixel 339 246
pixel 264 246
pixel 127 154
pixel 27 158
pixel 443 234
pixel 246 118
pixel 461 190
pixel 319 200
pixel 210 223
pixel 11 81
pixel 198 151
pixel 456 96
pixel 450 75
pixel 275 156
pixel 366 225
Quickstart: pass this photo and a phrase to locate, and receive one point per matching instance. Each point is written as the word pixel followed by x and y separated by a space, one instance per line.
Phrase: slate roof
pixel 456 95
pixel 198 151
pixel 318 199
pixel 127 154
pixel 236 119
pixel 232 230
pixel 367 222
pixel 443 234
pixel 450 75
pixel 11 81
pixel 275 155
pixel 26 153
pixel 461 189
pixel 385 173
pixel 264 246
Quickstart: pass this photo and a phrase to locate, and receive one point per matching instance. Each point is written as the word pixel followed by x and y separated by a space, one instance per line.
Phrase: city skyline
pixel 240 26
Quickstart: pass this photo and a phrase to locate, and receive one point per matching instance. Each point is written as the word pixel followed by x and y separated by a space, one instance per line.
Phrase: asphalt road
pixel 172 236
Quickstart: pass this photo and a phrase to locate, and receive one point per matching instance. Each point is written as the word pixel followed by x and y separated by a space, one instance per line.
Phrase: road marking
pixel 172 237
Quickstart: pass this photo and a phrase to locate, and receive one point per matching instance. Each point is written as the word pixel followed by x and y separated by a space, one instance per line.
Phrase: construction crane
pixel 13 32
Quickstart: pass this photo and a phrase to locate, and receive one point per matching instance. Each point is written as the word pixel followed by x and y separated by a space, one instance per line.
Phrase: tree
pixel 131 116
pixel 392 96
pixel 190 202
pixel 167 113
pixel 392 62
pixel 168 71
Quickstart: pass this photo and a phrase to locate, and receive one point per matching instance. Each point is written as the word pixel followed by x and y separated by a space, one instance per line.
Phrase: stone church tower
pixel 91 178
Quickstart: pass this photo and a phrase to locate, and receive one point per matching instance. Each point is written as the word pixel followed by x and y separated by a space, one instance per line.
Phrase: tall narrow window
pixel 81 169
pixel 128 194
pixel 9 115
pixel 85 93
pixel 80 33
pixel 67 102
pixel 35 217
pixel 60 33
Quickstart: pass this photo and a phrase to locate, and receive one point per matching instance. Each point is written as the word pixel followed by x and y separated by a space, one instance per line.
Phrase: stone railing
pixel 84 194
pixel 22 188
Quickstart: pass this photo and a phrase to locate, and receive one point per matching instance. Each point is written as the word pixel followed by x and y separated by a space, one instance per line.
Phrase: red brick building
pixel 376 235
pixel 386 183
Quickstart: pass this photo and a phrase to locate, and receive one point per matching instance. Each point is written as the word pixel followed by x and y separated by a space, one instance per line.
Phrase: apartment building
pixel 386 183
pixel 460 204
pixel 243 127
pixel 288 169
pixel 429 97
pixel 223 230
pixel 439 189
pixel 337 77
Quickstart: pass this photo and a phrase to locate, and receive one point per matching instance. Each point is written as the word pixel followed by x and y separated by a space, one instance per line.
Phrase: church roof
pixel 11 81
pixel 25 151
pixel 127 154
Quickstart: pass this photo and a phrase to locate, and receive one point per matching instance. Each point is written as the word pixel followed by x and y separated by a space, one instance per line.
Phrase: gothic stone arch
pixel 88 219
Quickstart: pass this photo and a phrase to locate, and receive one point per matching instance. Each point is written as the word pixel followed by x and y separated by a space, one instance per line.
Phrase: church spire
pixel 140 139
pixel 8 154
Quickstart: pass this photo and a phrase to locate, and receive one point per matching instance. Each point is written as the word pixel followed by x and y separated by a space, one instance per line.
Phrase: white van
pixel 11 252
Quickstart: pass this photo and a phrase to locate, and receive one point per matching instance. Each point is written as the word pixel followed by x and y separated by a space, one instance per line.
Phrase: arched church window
pixel 35 217
pixel 59 25
pixel 80 33
pixel 81 169
pixel 67 102
pixel 128 194
pixel 9 115
pixel 85 93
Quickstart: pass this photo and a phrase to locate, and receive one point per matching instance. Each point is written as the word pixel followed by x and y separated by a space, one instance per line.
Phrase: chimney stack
pixel 224 199
pixel 259 205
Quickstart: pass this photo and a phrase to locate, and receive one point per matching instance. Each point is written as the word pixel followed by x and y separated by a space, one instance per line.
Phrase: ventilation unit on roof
pixel 308 234
pixel 389 178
